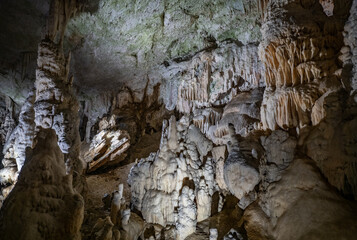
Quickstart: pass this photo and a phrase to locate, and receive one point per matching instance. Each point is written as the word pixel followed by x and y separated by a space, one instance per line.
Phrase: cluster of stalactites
pixel 214 78
pixel 301 66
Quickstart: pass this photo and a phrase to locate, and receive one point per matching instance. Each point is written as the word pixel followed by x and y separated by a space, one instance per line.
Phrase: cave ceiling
pixel 121 43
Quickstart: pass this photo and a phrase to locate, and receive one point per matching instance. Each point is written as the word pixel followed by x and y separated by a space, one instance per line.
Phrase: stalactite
pixel 297 68
pixel 214 78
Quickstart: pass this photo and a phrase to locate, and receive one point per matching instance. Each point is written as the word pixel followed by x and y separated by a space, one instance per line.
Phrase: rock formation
pixel 121 224
pixel 175 185
pixel 108 147
pixel 225 119
pixel 52 105
pixel 240 175
pixel 301 196
pixel 43 203
pixel 300 63
pixel 15 148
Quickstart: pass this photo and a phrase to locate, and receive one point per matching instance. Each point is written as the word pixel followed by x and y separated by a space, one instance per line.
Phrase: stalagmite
pixel 55 105
pixel 187 213
pixel 43 203
pixel 157 183
pixel 121 224
pixel 19 140
pixel 54 210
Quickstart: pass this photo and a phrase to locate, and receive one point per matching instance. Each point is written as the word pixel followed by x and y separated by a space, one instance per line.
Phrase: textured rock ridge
pixel 300 59
pixel 55 106
pixel 348 53
pixel 213 78
pixel 54 210
pixel 108 147
pixel 241 176
pixel 121 223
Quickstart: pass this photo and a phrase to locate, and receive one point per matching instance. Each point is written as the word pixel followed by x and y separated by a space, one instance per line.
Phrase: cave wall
pixel 246 130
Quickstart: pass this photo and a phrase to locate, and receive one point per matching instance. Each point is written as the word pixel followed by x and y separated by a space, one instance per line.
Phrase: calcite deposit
pixel 15 149
pixel 187 120
pixel 181 175
pixel 108 147
pixel 43 203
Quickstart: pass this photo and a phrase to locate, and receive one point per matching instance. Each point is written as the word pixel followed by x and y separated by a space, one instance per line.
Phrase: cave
pixel 178 119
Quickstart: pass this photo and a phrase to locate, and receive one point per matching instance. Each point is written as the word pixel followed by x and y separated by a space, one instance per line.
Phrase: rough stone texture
pixel 223 222
pixel 212 78
pixel 46 184
pixel 328 6
pixel 43 204
pixel 56 106
pixel 348 53
pixel 23 134
pixel 144 35
pixel 187 214
pixel 240 175
pixel 300 62
pixel 121 224
pixel 332 146
pixel 8 123
pixel 233 234
pixel 22 22
pixel 165 184
pixel 280 148
pixel 242 112
pixel 15 148
pixel 301 206
pixel 108 147
pixel 289 93
pixel 219 156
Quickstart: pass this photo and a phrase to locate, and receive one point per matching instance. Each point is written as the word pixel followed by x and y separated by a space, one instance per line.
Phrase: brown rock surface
pixel 43 203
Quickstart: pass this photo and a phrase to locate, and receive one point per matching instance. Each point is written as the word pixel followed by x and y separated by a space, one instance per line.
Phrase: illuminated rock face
pixel 301 68
pixel 348 52
pixel 304 92
pixel 55 105
pixel 165 185
pixel 15 148
pixel 108 147
pixel 213 78
pixel 44 204
pixel 239 176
